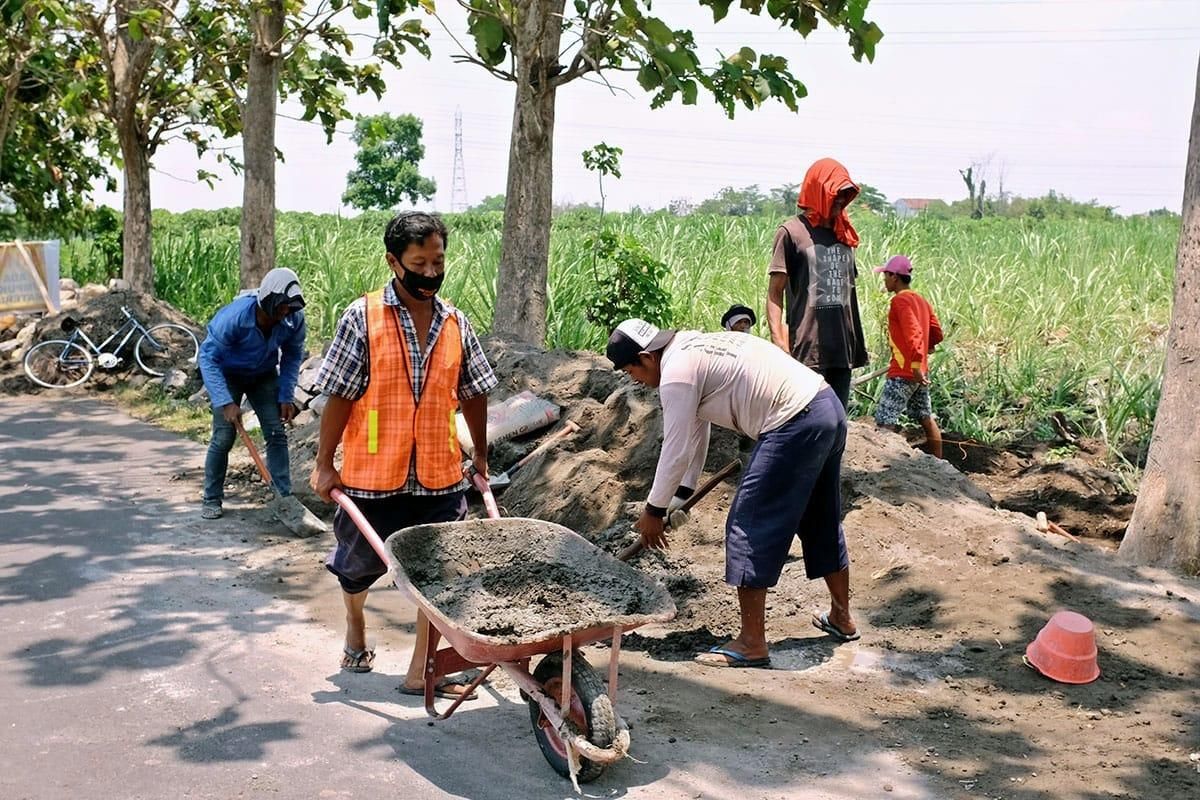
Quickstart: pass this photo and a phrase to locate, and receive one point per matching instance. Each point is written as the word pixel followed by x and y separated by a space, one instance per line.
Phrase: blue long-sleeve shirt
pixel 236 346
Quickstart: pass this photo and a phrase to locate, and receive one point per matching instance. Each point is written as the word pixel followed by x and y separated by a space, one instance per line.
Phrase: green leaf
pixel 135 29
pixel 648 77
pixel 720 8
pixel 774 63
pixel 361 10
pixel 690 92
pixel 680 61
pixel 658 31
pixel 489 34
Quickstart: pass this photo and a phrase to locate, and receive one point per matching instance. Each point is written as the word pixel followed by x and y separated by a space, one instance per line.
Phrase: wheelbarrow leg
pixel 438 664
pixel 567 651
pixel 462 698
pixel 432 637
pixel 613 657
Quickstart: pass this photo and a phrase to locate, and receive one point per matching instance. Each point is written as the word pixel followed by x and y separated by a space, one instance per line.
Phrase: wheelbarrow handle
pixel 365 528
pixel 489 499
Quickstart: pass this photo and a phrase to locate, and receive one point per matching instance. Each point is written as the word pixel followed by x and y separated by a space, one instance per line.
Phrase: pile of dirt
pixel 98 312
pixel 520 580
pixel 586 482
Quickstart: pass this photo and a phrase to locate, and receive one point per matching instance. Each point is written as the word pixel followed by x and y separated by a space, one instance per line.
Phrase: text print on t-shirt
pixel 830 283
pixel 714 345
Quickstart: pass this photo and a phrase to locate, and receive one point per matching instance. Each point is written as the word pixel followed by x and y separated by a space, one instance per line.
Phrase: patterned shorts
pixel 900 396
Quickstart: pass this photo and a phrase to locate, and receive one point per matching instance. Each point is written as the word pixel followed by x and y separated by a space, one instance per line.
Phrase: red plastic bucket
pixel 1065 649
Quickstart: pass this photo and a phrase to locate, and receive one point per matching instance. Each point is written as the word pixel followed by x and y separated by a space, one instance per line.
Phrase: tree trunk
pixel 258 145
pixel 525 250
pixel 130 61
pixel 137 265
pixel 1165 528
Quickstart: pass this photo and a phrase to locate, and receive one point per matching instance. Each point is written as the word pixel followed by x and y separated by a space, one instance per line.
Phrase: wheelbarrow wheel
pixel 591 714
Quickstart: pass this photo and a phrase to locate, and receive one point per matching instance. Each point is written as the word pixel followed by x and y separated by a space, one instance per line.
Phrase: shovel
pixel 288 510
pixel 727 470
pixel 505 478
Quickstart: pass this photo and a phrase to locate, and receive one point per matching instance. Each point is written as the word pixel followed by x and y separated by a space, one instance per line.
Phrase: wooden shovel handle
pixel 697 496
pixel 254 454
pixel 566 430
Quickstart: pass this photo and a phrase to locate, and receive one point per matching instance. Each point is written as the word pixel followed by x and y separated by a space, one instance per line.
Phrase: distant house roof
pixel 916 203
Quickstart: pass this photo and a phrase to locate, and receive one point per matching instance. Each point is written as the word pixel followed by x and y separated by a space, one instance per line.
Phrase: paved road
pixel 149 654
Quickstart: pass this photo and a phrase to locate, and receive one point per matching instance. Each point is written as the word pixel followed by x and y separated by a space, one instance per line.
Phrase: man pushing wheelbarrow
pixel 790 488
pixel 401 362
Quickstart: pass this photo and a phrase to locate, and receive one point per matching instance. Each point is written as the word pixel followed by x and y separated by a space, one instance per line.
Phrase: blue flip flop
pixel 736 659
pixel 821 622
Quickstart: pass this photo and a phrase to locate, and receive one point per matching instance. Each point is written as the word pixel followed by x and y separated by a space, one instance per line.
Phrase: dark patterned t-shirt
pixel 824 325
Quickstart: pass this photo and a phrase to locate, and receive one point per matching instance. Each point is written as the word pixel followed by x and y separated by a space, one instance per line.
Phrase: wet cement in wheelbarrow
pixel 518 579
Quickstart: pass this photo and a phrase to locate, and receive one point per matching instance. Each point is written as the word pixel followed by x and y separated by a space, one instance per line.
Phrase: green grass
pixel 1042 317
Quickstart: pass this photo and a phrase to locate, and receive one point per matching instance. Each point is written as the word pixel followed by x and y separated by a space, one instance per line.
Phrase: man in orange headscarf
pixel 812 265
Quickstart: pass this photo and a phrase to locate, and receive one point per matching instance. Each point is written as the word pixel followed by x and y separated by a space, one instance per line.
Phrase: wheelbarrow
pixel 573 716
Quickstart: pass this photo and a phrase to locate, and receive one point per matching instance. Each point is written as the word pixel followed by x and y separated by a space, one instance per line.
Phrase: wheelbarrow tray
pixel 503 590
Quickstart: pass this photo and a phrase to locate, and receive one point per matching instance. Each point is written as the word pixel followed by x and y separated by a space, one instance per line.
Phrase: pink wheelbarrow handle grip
pixel 489 500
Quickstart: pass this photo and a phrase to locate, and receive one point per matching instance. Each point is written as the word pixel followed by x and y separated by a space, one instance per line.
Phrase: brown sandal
pixel 357 660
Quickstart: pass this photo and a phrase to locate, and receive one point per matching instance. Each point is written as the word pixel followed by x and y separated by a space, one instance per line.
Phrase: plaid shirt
pixel 347 368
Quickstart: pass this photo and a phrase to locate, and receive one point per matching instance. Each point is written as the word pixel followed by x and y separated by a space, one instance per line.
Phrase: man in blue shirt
pixel 253 349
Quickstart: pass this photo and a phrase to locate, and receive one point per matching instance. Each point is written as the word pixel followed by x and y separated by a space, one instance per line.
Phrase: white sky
pixel 1091 98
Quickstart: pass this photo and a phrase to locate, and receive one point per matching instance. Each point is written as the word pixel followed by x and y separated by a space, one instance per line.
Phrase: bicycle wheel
pixel 57 364
pixel 164 347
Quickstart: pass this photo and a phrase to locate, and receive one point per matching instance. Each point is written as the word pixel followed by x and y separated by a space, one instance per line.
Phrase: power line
pixel 458 184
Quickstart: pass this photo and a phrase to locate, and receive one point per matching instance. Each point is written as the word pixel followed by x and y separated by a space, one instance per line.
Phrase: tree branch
pixel 466 59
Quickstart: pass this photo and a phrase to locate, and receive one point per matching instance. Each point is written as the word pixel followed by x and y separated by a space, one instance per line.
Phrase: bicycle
pixel 62 363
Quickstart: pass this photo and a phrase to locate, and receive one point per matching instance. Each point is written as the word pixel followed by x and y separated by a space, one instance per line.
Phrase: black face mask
pixel 419 285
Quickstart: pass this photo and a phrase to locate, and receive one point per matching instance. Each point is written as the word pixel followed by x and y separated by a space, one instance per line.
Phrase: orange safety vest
pixel 386 424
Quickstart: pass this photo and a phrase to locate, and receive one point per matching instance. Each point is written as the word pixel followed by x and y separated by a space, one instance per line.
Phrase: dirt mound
pixel 585 482
pixel 98 312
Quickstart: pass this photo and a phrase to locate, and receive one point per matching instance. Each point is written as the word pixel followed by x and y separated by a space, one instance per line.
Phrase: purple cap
pixel 897 265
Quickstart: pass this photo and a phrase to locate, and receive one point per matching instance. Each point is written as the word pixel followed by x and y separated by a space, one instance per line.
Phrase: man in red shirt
pixel 913 332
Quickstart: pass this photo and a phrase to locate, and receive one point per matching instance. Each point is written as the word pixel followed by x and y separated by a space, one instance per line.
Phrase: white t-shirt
pixel 735 380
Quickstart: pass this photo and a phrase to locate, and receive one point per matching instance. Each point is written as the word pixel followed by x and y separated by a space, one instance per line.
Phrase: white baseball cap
pixel 634 336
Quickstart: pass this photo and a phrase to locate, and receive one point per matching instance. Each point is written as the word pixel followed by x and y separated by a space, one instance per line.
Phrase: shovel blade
pixel 296 517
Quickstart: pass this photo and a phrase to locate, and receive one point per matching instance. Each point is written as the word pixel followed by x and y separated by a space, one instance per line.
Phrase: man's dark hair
pixel 905 279
pixel 410 227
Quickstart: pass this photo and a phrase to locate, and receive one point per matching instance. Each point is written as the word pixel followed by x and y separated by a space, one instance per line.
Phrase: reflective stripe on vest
pixel 386 424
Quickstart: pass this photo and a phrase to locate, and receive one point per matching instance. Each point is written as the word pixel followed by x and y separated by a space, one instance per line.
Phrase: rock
pixel 199 398
pixel 317 405
pixel 313 362
pixel 119 285
pixel 91 291
pixel 26 334
pixel 174 379
pixel 11 344
pixel 67 285
pixel 304 418
pixel 250 421
pixel 136 381
pixel 69 304
pixel 7 321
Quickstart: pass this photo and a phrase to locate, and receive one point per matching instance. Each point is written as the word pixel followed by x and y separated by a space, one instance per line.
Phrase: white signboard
pixel 29 276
